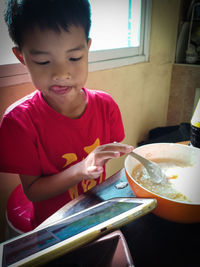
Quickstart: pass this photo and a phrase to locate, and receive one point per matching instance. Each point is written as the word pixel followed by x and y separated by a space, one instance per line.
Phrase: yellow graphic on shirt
pixel 88 184
pixel 70 158
pixel 85 184
pixel 73 192
pixel 89 149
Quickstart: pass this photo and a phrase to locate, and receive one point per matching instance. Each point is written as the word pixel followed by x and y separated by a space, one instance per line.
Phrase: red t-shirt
pixel 36 140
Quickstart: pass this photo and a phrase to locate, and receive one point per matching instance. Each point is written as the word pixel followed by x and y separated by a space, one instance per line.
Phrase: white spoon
pixel 156 174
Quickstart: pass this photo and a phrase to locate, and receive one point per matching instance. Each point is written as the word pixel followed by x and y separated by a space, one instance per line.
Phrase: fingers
pixel 94 171
pixel 116 147
pixel 94 162
pixel 109 151
pixel 100 158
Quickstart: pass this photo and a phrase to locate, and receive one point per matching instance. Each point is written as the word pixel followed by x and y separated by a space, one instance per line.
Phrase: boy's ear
pixel 18 54
pixel 89 43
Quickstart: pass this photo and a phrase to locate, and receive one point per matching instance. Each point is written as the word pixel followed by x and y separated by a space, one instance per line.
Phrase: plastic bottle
pixel 195 127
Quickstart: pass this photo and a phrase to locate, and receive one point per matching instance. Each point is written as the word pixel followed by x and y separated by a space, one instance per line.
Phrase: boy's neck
pixel 74 109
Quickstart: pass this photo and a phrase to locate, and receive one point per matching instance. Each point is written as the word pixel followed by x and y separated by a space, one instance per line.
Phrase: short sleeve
pixel 116 129
pixel 18 150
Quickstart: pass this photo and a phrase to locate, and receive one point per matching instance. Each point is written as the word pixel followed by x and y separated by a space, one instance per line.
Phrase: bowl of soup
pixel 178 197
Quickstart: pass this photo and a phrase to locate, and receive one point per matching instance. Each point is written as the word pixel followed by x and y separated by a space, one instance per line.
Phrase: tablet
pixel 45 244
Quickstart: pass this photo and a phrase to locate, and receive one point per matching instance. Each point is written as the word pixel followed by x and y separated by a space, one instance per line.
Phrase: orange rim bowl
pixel 169 209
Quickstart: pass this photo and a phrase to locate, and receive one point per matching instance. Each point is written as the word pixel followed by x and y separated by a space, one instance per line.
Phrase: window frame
pixel 112 58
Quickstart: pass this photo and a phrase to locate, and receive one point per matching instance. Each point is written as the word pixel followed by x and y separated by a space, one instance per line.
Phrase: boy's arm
pixel 40 188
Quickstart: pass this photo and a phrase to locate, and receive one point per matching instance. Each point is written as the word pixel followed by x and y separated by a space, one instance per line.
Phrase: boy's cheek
pixel 38 80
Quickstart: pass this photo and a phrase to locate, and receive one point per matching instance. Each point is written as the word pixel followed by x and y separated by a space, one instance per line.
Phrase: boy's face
pixel 57 62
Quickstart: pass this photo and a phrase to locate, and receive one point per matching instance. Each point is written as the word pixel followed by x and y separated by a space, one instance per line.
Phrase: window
pixel 120 36
pixel 120 33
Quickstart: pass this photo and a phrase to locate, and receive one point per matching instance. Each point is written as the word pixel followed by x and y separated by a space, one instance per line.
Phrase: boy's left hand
pixel 93 164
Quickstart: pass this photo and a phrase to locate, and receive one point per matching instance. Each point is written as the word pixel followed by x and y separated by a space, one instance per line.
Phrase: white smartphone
pixel 41 246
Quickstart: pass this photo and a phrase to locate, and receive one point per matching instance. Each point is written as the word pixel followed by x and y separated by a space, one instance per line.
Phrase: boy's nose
pixel 61 74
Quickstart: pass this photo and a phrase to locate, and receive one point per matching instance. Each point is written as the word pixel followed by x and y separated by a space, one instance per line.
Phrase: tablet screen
pixel 25 246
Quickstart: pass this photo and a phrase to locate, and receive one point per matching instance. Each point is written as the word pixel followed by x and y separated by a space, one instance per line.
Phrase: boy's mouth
pixel 60 90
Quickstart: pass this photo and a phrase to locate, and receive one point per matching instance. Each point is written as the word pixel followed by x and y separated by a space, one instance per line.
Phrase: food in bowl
pixel 183 206
pixel 182 184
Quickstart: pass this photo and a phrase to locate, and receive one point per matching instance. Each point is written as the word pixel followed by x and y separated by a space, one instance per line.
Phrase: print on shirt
pixel 70 158
pixel 85 184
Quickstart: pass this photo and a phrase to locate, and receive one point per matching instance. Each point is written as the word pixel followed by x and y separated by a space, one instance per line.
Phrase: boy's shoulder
pixel 100 95
pixel 22 104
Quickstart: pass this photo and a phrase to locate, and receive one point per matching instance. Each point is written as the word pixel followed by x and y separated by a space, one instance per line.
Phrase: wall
pixel 6 43
pixel 141 90
pixel 185 79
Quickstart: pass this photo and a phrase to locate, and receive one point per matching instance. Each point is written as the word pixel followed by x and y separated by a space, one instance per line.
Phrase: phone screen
pixel 25 246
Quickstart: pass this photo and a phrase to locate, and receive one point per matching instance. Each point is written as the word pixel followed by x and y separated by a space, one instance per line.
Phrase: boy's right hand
pixel 92 166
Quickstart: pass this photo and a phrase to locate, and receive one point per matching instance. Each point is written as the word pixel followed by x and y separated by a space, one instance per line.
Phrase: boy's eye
pixel 42 63
pixel 75 58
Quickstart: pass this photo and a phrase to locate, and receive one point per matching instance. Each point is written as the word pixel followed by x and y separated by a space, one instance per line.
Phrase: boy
pixel 59 138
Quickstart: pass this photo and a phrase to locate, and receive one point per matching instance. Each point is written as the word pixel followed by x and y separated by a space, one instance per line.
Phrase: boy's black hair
pixel 22 15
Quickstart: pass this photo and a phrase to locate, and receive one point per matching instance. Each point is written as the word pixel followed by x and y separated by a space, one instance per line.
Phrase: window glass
pixel 115 24
pixel 120 33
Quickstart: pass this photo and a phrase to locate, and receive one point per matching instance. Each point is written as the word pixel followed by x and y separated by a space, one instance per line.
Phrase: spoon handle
pixel 140 158
pixel 155 172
